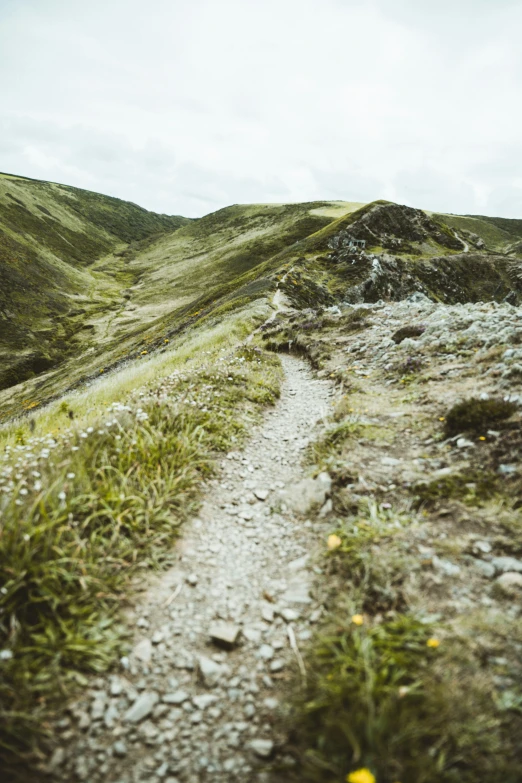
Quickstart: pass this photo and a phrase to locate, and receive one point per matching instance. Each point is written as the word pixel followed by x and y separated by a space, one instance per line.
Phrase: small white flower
pixel 23 491
pixel 5 655
pixel 26 537
pixel 90 429
pixel 75 448
pixel 62 495
pixel 35 474
pixel 37 486
pixel 71 475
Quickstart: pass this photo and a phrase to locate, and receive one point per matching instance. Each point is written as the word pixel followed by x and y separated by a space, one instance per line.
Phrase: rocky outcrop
pixel 396 227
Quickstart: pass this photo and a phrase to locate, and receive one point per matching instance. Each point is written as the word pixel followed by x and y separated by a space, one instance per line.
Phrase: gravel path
pixel 186 707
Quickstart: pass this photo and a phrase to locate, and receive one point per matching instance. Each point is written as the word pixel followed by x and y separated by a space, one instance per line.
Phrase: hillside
pixel 51 237
pixel 260 493
pixel 97 280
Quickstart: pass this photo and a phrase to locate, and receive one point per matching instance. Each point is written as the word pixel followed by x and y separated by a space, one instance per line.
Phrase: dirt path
pixel 183 708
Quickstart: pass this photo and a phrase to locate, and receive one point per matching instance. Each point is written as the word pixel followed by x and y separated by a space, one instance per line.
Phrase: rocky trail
pixel 217 637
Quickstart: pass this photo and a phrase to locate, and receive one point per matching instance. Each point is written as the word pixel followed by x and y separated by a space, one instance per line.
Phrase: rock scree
pixel 216 636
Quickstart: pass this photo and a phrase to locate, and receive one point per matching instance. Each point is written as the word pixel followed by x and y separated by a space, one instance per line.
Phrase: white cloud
pixel 186 107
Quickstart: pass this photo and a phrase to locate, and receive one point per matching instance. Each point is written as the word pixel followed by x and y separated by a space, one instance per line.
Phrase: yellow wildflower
pixel 333 542
pixel 357 619
pixel 361 776
pixel 433 642
pixel 441 418
pixel 482 437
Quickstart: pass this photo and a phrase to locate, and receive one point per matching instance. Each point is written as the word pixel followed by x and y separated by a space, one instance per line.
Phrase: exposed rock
pixel 503 564
pixel 142 707
pixel 210 671
pixel 143 651
pixel 119 749
pixel 262 747
pixel 508 585
pixel 178 697
pixel 204 700
pixel 308 493
pixel 224 634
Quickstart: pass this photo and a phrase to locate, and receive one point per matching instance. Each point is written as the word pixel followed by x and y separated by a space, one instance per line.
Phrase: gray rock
pixel 308 493
pixel 119 749
pixel 265 652
pixel 448 568
pixel 192 579
pixel 277 665
pixel 482 547
pixel 267 613
pixel 149 732
pixel 289 615
pixel 98 707
pixel 204 700
pixel 178 697
pixel 261 494
pixel 486 569
pixel 249 710
pixel 225 634
pixel 111 716
pixel 252 634
pixel 142 707
pixel 81 768
pixel 508 585
pixel 299 564
pixel 464 443
pixel 143 651
pixel 262 747
pixel 84 720
pixel 210 671
pixel 56 759
pixel 157 637
pixel 503 564
pixel 117 686
pixel 390 461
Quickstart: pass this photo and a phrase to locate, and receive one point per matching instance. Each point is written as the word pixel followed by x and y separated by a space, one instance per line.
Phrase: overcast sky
pixel 185 106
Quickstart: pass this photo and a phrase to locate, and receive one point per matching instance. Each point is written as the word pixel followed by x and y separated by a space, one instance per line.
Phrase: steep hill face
pixel 406 252
pixel 51 236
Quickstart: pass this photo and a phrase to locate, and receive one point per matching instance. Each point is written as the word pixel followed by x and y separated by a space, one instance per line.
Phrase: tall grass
pixel 80 514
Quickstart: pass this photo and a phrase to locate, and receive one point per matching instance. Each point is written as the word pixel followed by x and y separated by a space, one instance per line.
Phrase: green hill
pixel 88 281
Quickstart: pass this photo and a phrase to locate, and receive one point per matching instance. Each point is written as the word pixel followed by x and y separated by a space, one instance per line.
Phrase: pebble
pixel 508 585
pixel 143 651
pixel 142 707
pixel 503 564
pixel 266 652
pixel 262 747
pixel 178 697
pixel 210 671
pixel 119 749
pixel 225 634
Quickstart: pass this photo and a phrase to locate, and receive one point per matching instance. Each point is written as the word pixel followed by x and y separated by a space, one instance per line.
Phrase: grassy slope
pixel 50 237
pixel 140 295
